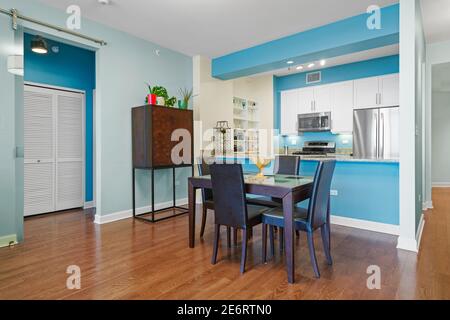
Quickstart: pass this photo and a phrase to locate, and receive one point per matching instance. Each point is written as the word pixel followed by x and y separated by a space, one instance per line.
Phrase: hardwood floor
pixel 134 260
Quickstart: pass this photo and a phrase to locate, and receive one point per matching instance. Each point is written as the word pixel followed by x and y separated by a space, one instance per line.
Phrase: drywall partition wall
pixel 440 137
pixel 71 67
pixel 335 39
pixel 122 68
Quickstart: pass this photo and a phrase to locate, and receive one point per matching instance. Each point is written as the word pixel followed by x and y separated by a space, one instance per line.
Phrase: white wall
pixel 440 139
pixel 213 99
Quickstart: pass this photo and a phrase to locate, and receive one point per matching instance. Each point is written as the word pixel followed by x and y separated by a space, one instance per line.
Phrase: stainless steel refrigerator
pixel 376 133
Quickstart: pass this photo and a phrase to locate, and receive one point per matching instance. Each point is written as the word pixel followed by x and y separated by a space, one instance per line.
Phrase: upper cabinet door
pixel 306 100
pixel 389 90
pixel 366 93
pixel 289 112
pixel 322 98
pixel 342 102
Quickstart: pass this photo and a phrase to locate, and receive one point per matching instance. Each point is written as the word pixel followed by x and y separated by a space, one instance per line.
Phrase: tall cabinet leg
pixel 153 195
pixel 134 193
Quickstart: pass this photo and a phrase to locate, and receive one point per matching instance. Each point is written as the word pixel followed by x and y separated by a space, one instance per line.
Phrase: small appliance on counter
pixel 314 122
pixel 317 148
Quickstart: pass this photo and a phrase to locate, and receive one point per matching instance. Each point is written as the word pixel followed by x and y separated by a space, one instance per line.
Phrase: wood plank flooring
pixel 134 260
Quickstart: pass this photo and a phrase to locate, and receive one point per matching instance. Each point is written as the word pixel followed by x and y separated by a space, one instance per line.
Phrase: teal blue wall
pixel 73 68
pixel 122 68
pixel 336 39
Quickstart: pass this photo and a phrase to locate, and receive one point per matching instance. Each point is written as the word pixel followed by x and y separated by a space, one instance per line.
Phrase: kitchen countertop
pixel 344 158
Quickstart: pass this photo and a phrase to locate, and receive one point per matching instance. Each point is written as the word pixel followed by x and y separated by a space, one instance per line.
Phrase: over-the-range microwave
pixel 314 122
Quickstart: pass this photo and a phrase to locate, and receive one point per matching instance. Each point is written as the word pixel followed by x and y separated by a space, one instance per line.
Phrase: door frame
pixel 83 124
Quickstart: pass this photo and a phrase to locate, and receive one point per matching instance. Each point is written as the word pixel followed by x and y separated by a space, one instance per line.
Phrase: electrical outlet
pixel 334 193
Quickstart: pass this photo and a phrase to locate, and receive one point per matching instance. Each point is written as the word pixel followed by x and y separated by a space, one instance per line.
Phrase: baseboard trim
pixel 8 240
pixel 89 205
pixel 366 225
pixel 420 231
pixel 407 244
pixel 126 214
pixel 441 184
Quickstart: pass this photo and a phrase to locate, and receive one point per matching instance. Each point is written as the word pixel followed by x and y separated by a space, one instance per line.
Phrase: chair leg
pixel 326 242
pixel 272 240
pixel 297 233
pixel 264 243
pixel 229 237
pixel 244 249
pixel 312 254
pixel 281 239
pixel 204 215
pixel 216 244
pixel 235 236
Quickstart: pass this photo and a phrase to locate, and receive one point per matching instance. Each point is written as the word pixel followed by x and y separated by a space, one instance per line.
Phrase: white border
pixel 420 231
pixel 441 184
pixel 126 214
pixel 366 225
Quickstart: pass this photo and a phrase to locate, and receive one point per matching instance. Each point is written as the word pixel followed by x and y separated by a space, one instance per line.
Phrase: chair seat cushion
pixel 255 213
pixel 275 217
pixel 264 201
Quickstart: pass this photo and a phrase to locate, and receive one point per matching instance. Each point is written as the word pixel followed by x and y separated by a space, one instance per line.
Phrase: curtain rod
pixel 15 15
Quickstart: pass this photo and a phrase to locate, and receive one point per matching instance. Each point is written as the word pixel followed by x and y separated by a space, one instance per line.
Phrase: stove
pixel 317 148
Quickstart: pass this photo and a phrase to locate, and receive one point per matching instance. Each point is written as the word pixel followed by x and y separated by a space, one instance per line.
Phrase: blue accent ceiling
pixel 72 68
pixel 339 38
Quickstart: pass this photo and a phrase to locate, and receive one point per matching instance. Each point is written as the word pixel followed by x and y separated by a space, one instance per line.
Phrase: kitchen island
pixel 365 192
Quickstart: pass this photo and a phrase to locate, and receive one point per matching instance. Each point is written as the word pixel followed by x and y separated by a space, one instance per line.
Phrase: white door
pixel 342 101
pixel 54 150
pixel 322 98
pixel 306 100
pixel 389 90
pixel 69 151
pixel 39 148
pixel 366 93
pixel 289 112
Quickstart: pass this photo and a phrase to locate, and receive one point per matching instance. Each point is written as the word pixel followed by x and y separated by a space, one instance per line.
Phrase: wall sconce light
pixel 39 45
pixel 15 65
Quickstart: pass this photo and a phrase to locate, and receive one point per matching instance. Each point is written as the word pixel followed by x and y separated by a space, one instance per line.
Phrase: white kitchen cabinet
pixel 322 98
pixel 342 98
pixel 366 93
pixel 289 112
pixel 306 100
pixel 389 90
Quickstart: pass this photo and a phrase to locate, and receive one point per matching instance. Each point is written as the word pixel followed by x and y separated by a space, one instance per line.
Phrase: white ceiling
pixel 436 20
pixel 340 60
pixel 216 27
pixel 441 77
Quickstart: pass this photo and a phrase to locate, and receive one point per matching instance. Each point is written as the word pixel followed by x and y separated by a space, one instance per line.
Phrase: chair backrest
pixel 319 202
pixel 288 165
pixel 203 170
pixel 228 187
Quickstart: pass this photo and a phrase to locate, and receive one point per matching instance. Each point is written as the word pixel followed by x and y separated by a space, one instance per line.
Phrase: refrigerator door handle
pixel 381 143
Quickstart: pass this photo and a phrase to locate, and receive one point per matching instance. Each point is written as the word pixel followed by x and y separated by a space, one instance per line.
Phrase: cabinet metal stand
pixel 174 207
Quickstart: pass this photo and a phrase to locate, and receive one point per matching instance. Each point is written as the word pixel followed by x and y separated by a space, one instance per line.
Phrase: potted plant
pixel 151 97
pixel 186 95
pixel 158 95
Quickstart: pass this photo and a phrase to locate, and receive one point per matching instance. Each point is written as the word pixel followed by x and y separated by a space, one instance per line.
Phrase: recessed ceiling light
pixel 299 68
pixel 311 65
pixel 103 2
pixel 290 62
pixel 323 62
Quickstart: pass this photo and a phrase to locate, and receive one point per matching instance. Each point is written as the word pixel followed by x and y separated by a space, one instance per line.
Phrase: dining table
pixel 290 189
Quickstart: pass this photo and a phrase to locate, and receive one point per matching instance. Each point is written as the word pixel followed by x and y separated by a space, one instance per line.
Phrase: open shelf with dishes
pixel 245 126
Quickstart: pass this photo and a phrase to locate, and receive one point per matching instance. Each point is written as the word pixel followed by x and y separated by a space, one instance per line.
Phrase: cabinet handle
pixel 379 99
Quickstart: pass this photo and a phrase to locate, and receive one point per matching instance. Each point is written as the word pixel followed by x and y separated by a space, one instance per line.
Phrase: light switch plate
pixel 334 193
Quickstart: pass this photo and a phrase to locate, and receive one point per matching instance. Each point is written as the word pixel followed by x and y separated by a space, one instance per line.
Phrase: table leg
pixel 288 209
pixel 191 196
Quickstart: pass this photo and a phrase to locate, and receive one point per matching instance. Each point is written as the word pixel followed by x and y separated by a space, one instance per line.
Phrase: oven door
pixel 314 122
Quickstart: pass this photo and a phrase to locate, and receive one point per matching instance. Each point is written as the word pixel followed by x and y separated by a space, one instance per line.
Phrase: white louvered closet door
pixel 54 150
pixel 39 143
pixel 69 151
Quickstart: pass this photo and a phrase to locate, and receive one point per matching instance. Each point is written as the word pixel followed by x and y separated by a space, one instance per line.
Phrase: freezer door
pixel 389 133
pixel 365 133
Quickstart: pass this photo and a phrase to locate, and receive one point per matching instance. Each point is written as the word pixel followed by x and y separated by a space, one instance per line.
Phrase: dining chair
pixel 317 216
pixel 231 208
pixel 207 200
pixel 286 165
